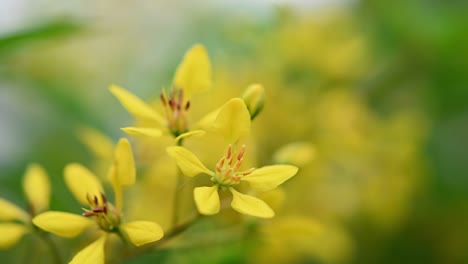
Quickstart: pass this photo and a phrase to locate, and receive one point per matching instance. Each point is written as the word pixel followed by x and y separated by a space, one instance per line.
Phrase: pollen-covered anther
pixel 227 171
pixel 241 153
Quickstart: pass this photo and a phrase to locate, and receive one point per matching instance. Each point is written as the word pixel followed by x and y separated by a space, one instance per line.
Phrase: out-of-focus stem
pixel 53 248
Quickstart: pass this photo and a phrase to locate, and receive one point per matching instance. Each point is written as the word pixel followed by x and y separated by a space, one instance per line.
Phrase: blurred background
pixel 377 89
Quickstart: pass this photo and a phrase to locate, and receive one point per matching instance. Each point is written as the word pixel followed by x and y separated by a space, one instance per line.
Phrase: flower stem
pixel 52 246
pixel 175 215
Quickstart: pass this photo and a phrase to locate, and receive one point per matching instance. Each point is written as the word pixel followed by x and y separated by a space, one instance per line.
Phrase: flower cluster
pixel 103 218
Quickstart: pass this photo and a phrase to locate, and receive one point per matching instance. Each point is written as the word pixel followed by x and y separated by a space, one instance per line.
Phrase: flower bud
pixel 254 98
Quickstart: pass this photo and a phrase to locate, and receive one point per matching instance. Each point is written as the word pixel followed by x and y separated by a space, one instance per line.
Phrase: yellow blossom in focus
pixel 193 75
pixel 16 222
pixel 232 122
pixel 102 214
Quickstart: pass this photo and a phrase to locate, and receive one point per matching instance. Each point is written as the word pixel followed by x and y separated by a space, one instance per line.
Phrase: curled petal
pixel 37 188
pixel 233 120
pixel 194 73
pixel 124 163
pixel 94 253
pixel 187 161
pixel 190 134
pixel 207 199
pixel 135 105
pixel 250 205
pixel 143 131
pixel 269 177
pixel 82 182
pixel 11 233
pixel 9 211
pixel 62 224
pixel 142 232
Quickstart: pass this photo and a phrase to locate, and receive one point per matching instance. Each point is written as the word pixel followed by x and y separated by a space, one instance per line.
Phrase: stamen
pixel 187 106
pixel 228 154
pixel 172 104
pixel 88 214
pixel 247 172
pixel 163 99
pixel 227 173
pixel 220 165
pixel 241 153
pixel 181 96
pixel 238 164
pixel 98 210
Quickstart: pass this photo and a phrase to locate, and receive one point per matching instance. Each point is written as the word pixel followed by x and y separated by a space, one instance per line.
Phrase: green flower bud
pixel 254 98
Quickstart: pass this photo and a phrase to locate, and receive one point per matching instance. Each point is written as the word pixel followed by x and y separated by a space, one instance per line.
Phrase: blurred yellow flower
pixel 232 122
pixel 193 75
pixel 88 191
pixel 16 222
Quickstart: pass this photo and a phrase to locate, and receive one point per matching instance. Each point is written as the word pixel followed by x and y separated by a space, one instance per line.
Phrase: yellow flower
pixel 232 122
pixel 88 191
pixel 193 75
pixel 16 222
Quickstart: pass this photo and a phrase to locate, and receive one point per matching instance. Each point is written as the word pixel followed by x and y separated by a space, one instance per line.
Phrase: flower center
pixel 176 109
pixel 103 212
pixel 227 169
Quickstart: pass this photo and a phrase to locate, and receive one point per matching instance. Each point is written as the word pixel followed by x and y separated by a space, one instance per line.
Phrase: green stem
pixel 53 248
pixel 175 215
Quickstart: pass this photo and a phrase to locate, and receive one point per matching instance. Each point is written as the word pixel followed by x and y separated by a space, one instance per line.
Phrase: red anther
pixel 171 104
pixel 98 210
pixel 103 197
pixel 87 214
pixel 241 153
pixel 187 106
pixel 95 200
pixel 229 152
pixel 163 99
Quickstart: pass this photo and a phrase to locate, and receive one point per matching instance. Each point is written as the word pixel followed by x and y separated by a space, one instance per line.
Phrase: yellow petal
pixel 297 153
pixel 62 224
pixel 187 161
pixel 99 144
pixel 142 232
pixel 208 120
pixel 124 163
pixel 190 134
pixel 9 211
pixel 233 120
pixel 250 205
pixel 135 105
pixel 94 253
pixel 207 199
pixel 37 188
pixel 11 233
pixel 269 177
pixel 143 131
pixel 194 73
pixel 81 182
